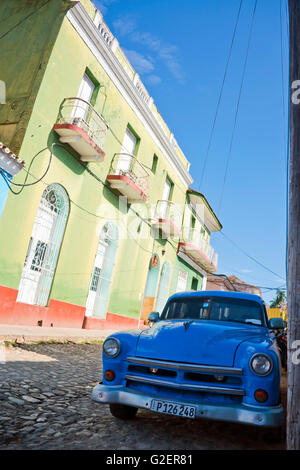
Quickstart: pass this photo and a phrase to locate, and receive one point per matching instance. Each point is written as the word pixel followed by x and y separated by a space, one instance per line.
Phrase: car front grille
pixel 164 392
pixel 193 381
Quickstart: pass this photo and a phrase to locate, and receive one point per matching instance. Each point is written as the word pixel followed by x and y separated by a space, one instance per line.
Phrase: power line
pixel 8 182
pixel 220 94
pixel 238 105
pixel 41 179
pixel 24 185
pixel 99 216
pixel 243 274
pixel 261 287
pixel 287 19
pixel 251 257
pixel 284 119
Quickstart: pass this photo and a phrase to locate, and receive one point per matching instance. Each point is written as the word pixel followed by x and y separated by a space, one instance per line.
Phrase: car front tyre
pixel 122 411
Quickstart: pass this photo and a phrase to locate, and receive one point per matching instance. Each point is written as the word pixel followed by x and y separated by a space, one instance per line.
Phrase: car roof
pixel 217 293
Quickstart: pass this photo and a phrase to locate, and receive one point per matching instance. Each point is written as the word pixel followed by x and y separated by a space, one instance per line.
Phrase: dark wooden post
pixel 293 261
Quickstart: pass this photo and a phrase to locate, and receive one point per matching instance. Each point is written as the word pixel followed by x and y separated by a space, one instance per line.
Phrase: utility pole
pixel 293 258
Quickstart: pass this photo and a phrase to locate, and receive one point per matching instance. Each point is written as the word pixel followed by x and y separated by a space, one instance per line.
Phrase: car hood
pixel 200 342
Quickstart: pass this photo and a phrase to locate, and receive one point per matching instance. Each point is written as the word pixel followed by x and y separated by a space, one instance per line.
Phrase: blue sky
pixel 180 51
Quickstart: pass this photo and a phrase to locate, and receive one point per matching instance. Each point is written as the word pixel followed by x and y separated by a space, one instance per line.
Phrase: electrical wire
pixel 24 185
pixel 238 105
pixel 101 217
pixel 271 289
pixel 242 273
pixel 220 95
pixel 286 140
pixel 260 287
pixel 287 19
pixel 41 179
pixel 250 257
pixel 210 138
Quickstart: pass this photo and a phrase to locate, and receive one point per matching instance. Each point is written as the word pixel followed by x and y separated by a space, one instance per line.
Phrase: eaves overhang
pixel 203 209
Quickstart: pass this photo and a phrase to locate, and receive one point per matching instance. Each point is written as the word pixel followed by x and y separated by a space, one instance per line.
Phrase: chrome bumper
pixel 271 416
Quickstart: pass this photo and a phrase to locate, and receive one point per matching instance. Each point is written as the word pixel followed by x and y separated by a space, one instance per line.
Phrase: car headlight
pixel 261 364
pixel 111 347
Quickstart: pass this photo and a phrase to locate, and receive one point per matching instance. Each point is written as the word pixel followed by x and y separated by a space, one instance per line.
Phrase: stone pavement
pixel 45 404
pixel 29 334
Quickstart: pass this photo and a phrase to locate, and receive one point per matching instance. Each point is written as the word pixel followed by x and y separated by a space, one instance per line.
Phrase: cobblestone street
pixel 45 404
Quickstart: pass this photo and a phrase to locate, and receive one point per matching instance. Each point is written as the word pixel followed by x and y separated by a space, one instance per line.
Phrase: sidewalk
pixel 32 334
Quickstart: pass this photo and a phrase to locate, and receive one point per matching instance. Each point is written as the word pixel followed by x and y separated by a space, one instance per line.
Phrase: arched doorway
pixel 44 246
pixel 98 296
pixel 150 289
pixel 163 287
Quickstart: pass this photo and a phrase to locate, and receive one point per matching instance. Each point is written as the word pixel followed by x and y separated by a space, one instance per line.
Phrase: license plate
pixel 172 408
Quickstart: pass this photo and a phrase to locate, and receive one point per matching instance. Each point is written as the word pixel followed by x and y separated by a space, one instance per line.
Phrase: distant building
pixel 241 286
pixel 221 282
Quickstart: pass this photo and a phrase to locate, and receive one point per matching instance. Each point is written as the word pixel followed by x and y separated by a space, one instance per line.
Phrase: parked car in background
pixel 208 355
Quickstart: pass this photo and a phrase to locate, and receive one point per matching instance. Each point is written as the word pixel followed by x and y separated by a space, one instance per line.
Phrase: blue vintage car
pixel 208 355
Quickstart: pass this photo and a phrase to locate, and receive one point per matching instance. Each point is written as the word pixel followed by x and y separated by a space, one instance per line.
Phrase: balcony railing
pixel 199 249
pixel 81 126
pixel 129 177
pixel 168 218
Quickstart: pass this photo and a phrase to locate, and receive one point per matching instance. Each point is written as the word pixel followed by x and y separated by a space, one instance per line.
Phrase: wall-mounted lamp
pixel 9 162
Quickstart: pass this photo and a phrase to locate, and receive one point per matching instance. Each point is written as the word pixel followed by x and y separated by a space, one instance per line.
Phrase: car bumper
pixel 269 416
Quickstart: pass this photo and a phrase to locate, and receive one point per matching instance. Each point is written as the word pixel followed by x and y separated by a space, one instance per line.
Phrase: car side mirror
pixel 153 317
pixel 276 323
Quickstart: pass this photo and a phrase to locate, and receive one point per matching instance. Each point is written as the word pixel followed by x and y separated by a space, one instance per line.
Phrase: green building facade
pixel 103 226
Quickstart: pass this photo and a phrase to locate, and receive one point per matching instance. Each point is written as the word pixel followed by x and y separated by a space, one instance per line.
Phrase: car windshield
pixel 213 308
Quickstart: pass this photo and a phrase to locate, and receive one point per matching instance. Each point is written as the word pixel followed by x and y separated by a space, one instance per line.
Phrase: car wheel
pixel 122 411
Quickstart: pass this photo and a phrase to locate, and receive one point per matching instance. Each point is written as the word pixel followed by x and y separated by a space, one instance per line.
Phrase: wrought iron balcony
pixel 128 176
pixel 84 129
pixel 198 249
pixel 168 218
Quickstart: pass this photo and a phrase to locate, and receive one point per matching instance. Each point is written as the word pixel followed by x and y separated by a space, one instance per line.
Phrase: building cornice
pixel 212 220
pixel 192 263
pixel 90 34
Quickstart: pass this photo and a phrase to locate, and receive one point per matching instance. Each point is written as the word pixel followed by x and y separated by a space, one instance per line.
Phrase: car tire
pixel 122 411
